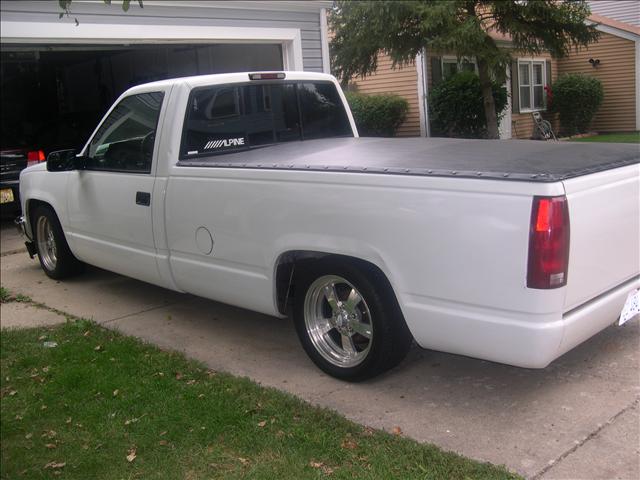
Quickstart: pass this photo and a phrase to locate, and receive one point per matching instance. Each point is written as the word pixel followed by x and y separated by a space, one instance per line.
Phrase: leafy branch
pixel 65 6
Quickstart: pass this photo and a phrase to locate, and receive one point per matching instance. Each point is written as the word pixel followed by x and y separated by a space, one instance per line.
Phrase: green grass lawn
pixel 632 137
pixel 99 405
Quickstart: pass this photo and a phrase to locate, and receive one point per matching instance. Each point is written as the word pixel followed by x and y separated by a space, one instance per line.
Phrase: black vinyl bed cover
pixel 516 160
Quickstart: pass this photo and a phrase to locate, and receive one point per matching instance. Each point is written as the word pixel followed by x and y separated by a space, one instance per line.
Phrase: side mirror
pixel 65 160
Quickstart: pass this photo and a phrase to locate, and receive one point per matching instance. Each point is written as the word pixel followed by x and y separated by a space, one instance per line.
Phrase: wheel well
pixel 31 206
pixel 291 263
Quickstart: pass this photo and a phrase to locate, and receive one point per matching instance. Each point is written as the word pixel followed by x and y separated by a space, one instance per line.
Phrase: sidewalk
pixel 578 418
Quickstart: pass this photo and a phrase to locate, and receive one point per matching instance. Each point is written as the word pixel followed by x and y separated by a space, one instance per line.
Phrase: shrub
pixel 457 109
pixel 576 98
pixel 377 115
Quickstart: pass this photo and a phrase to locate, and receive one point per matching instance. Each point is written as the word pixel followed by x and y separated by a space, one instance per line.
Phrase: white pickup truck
pixel 253 189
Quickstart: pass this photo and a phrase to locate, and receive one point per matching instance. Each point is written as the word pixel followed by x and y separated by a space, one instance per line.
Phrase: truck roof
pixel 519 160
pixel 226 78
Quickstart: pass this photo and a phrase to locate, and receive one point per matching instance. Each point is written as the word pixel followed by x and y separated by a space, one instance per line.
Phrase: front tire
pixel 348 320
pixel 54 254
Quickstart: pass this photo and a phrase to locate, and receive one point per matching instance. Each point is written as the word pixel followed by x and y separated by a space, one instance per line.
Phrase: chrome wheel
pixel 338 321
pixel 47 248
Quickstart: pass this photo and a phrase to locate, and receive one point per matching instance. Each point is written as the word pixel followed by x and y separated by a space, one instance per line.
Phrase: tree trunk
pixel 487 97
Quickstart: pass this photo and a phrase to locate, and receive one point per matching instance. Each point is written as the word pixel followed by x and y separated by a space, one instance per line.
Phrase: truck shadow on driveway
pixel 506 415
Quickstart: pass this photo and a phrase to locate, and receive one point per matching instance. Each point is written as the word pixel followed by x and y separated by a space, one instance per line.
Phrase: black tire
pixel 390 340
pixel 65 265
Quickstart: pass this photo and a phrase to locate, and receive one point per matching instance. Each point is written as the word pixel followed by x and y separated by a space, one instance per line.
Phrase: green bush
pixel 576 98
pixel 377 115
pixel 457 109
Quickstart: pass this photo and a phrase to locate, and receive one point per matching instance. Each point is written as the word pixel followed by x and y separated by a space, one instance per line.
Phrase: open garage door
pixel 52 96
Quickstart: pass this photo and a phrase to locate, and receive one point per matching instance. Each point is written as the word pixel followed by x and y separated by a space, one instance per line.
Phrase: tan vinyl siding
pixel 402 81
pixel 617 74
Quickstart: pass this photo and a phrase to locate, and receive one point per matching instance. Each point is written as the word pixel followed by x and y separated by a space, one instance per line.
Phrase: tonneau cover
pixel 524 160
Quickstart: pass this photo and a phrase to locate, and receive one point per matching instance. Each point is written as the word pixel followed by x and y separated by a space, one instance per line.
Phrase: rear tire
pixel 54 254
pixel 348 319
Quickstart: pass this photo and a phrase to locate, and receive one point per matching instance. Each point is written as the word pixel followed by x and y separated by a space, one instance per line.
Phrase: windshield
pixel 228 118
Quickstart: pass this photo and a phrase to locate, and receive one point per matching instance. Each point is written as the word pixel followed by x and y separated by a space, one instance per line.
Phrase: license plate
pixel 6 195
pixel 631 307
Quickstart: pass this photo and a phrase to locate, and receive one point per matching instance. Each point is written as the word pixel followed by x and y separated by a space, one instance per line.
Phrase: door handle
pixel 143 198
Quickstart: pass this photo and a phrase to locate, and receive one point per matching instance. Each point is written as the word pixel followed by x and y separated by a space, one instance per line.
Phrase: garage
pixel 54 95
pixel 60 73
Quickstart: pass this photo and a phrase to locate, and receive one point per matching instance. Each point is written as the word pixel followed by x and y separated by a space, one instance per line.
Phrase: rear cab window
pixel 230 118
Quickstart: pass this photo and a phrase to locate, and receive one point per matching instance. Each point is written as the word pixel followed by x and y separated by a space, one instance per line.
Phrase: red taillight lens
pixel 35 156
pixel 548 243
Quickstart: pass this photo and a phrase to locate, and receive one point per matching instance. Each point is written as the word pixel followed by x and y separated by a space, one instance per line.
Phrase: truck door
pixel 109 202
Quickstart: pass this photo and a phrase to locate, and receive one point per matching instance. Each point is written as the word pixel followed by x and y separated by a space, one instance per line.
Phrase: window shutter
pixel 548 65
pixel 515 90
pixel 436 71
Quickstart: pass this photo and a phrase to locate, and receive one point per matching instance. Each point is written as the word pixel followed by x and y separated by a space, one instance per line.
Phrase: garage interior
pixel 53 96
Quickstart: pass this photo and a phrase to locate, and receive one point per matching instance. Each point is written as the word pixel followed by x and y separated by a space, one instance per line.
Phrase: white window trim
pixel 423 98
pixel 109 34
pixel 530 60
pixel 458 61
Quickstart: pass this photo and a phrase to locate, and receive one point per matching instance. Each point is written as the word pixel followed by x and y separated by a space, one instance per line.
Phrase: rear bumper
pixel 590 318
pixel 523 342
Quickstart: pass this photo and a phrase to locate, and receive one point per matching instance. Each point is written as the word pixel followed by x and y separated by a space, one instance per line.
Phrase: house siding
pixel 627 11
pixel 401 81
pixel 617 74
pixel 182 15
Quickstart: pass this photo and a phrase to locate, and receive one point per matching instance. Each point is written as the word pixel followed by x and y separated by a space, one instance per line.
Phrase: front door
pixel 109 202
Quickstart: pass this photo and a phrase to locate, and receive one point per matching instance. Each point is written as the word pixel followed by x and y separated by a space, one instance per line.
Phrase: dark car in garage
pixel 12 162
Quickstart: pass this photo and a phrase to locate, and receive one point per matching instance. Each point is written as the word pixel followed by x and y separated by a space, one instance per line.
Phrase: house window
pixel 451 66
pixel 531 82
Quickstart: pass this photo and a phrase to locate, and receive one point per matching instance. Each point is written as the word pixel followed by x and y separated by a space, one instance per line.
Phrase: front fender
pixel 45 187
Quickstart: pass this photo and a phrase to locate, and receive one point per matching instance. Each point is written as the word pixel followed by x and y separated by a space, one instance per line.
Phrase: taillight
pixel 548 243
pixel 35 156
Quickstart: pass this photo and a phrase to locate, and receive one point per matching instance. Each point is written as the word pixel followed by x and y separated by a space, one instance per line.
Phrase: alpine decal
pixel 229 142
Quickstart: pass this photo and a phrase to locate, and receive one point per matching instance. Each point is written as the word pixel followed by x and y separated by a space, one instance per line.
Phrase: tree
pixel 464 28
pixel 456 107
pixel 65 6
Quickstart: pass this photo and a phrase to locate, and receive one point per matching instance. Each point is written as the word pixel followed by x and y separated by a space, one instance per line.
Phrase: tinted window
pixel 226 119
pixel 322 111
pixel 224 103
pixel 124 141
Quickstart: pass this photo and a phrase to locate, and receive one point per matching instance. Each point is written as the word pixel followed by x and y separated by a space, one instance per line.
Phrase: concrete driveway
pixel 578 418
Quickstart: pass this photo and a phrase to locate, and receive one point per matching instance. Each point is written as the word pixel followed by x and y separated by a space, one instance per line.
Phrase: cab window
pixel 124 142
pixel 225 119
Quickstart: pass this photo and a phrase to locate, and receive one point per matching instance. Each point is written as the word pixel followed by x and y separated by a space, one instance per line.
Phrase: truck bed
pixel 516 160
